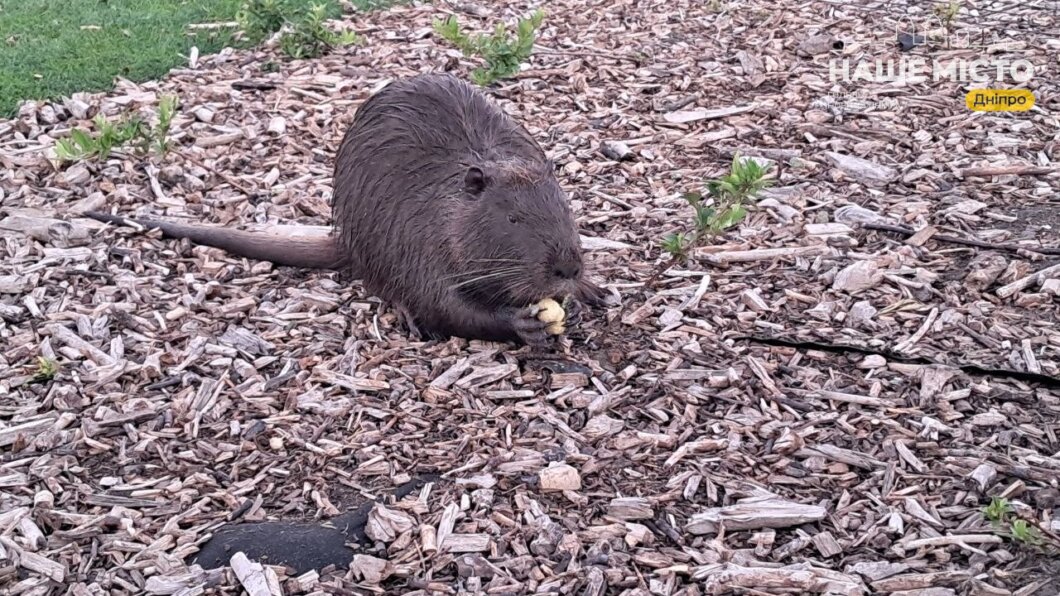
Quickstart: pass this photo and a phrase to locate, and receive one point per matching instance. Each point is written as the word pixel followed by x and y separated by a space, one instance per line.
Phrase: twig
pixel 913 339
pixel 613 200
pixel 259 85
pixel 766 254
pixel 1017 170
pixel 954 539
pixel 1024 282
pixel 965 241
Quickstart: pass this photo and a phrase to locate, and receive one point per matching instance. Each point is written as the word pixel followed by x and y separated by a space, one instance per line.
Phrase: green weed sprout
pixel 502 53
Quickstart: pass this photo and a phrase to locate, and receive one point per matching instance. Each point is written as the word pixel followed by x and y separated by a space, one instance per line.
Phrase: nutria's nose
pixel 567 269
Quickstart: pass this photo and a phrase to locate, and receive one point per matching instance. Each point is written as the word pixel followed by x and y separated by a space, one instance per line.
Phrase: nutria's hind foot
pixel 531 330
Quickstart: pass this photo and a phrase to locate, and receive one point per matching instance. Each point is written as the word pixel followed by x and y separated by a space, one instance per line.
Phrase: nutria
pixel 444 207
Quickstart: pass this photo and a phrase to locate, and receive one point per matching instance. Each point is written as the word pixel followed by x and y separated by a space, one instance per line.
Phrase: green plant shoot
pixel 502 53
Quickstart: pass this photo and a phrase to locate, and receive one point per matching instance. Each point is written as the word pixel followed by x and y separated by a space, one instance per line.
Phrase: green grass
pixel 45 53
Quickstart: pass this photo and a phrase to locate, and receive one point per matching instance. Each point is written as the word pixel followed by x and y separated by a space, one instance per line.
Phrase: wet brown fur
pixel 418 224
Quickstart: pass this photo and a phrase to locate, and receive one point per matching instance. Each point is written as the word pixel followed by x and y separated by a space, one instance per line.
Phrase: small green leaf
pixel 46 369
pixel 1025 533
pixel 732 216
pixel 82 140
pixel 66 151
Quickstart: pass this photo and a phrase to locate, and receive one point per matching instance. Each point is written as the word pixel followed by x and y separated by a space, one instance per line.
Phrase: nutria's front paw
pixel 574 313
pixel 594 296
pixel 405 318
pixel 531 330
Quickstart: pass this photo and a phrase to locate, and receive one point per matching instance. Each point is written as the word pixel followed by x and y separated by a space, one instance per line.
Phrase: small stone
pixel 77 108
pixel 44 500
pixel 193 183
pixel 984 271
pixel 602 426
pixel 47 115
pixel 786 212
pixel 277 125
pixel 559 477
pixel 856 277
pixel 753 300
pixel 473 565
pixel 93 202
pixel 984 475
pixel 823 311
pixel 1051 286
pixel 548 538
pixel 483 498
pixel 856 214
pixel 171 175
pixel 616 150
pixel 203 114
pixel 638 534
pixel 861 315
pixel 819 44
pixel 670 316
pixel 77 175
pixel 873 361
pixel 28 111
pixel 372 569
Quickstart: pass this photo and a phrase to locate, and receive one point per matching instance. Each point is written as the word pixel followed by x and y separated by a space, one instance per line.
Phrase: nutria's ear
pixel 475 180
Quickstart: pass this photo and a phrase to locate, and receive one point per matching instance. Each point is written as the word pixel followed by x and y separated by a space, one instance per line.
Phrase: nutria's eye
pixel 513 219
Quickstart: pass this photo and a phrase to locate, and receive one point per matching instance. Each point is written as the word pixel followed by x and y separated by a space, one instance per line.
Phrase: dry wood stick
pixel 965 241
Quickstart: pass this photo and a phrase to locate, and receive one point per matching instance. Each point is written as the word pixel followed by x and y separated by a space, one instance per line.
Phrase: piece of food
pixel 549 311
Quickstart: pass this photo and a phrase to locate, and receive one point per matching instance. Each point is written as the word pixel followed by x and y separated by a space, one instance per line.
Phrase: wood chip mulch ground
pixel 816 402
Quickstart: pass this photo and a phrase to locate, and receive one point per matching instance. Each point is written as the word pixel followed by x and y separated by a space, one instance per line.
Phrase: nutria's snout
pixel 567 270
pixel 564 265
pixel 564 270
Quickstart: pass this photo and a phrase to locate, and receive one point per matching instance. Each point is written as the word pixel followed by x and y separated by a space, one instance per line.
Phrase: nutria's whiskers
pixel 493 276
pixel 477 272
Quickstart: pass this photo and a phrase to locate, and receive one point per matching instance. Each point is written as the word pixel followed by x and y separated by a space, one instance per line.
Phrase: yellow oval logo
pixel 999 100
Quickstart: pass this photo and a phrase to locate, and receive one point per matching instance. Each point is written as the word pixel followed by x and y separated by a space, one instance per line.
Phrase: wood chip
pixel 753 514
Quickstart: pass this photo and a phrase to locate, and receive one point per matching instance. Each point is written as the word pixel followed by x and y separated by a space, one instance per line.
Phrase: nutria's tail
pixel 313 253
